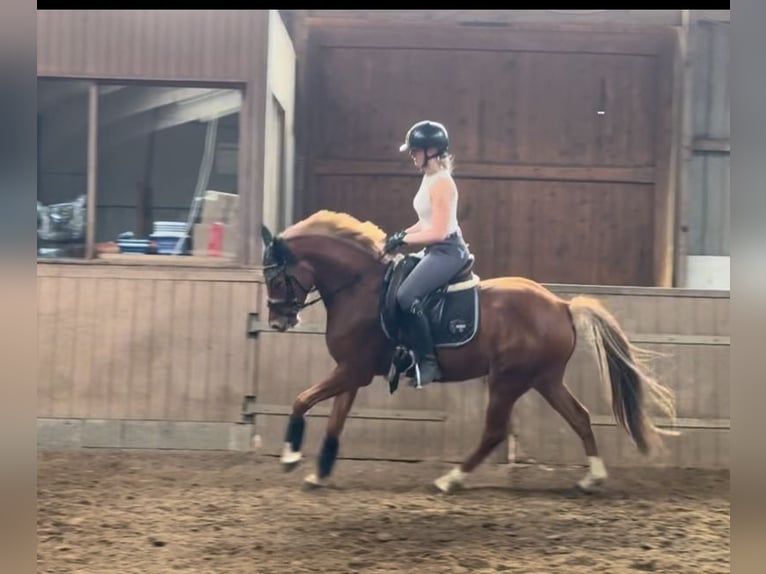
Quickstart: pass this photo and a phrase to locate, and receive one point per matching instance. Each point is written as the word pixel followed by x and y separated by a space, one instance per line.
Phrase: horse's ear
pixel 281 252
pixel 267 236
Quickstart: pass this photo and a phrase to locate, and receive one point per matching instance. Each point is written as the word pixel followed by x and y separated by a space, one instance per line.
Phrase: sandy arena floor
pixel 160 512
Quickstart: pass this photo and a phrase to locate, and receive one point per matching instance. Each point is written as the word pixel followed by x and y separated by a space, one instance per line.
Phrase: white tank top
pixel 422 203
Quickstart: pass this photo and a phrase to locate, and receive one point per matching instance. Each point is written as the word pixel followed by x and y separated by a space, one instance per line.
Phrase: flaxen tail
pixel 620 362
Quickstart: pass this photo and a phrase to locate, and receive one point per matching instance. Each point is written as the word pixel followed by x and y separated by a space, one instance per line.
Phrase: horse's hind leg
pixel 502 396
pixel 561 399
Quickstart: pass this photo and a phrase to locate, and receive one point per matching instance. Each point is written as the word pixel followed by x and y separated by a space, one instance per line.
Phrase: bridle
pixel 291 302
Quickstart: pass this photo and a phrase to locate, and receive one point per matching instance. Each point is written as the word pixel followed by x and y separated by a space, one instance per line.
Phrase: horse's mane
pixel 338 224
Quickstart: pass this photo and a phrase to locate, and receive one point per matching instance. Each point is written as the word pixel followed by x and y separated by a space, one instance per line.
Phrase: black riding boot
pixel 424 346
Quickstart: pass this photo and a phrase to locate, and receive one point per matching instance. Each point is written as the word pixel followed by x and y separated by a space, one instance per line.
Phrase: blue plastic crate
pixel 133 245
pixel 166 244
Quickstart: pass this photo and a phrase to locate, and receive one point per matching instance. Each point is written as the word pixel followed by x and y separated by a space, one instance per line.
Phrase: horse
pixel 523 338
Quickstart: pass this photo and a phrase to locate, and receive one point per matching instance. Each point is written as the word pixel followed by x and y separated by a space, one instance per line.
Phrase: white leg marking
pixel 289 456
pixel 596 473
pixel 313 480
pixel 453 479
pixel 511 449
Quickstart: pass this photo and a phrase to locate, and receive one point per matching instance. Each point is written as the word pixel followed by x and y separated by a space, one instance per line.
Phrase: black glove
pixel 394 241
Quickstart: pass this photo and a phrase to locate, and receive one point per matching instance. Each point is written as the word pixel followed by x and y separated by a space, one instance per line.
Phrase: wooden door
pixel 561 141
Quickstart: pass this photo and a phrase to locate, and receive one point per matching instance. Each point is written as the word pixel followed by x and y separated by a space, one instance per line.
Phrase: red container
pixel 215 240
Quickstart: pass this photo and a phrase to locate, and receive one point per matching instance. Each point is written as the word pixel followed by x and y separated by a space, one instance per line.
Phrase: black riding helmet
pixel 424 135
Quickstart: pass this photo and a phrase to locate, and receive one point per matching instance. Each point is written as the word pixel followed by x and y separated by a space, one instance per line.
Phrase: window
pixel 165 170
pixel 62 167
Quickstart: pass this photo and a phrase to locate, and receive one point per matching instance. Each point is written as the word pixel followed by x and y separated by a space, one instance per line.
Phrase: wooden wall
pixel 549 188
pixel 709 190
pixel 203 45
pixel 690 330
pixel 127 343
pixel 626 19
pixel 142 343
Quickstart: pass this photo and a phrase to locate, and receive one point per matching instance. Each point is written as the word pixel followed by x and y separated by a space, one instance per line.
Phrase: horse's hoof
pixel 313 482
pixel 451 481
pixel 290 465
pixel 591 486
pixel 290 459
pixel 446 486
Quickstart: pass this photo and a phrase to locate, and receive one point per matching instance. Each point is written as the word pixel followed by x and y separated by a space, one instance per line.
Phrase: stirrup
pixel 405 362
pixel 398 366
pixel 418 384
pixel 418 378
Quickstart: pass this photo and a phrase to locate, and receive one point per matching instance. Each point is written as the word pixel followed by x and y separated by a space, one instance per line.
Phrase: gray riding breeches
pixel 440 264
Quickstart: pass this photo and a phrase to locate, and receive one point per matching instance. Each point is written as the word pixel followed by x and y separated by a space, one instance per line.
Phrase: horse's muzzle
pixel 284 323
pixel 280 325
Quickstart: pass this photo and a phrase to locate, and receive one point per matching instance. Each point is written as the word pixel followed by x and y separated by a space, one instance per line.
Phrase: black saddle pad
pixel 454 315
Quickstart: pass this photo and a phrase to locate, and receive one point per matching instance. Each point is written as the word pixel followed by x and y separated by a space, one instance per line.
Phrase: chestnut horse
pixel 524 340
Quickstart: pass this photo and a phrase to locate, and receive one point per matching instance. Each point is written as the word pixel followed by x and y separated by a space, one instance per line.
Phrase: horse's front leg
pixel 329 453
pixel 341 380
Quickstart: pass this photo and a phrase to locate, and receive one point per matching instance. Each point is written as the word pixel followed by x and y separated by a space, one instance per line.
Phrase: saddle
pixel 452 311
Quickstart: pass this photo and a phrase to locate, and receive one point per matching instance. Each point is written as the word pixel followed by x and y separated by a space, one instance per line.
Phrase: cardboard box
pixel 218 206
pixel 202 234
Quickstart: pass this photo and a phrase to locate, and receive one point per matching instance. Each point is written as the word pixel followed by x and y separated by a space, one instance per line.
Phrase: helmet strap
pixel 427 158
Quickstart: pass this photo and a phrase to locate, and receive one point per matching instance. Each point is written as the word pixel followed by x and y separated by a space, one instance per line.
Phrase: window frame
pixel 91 258
pixel 283 218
